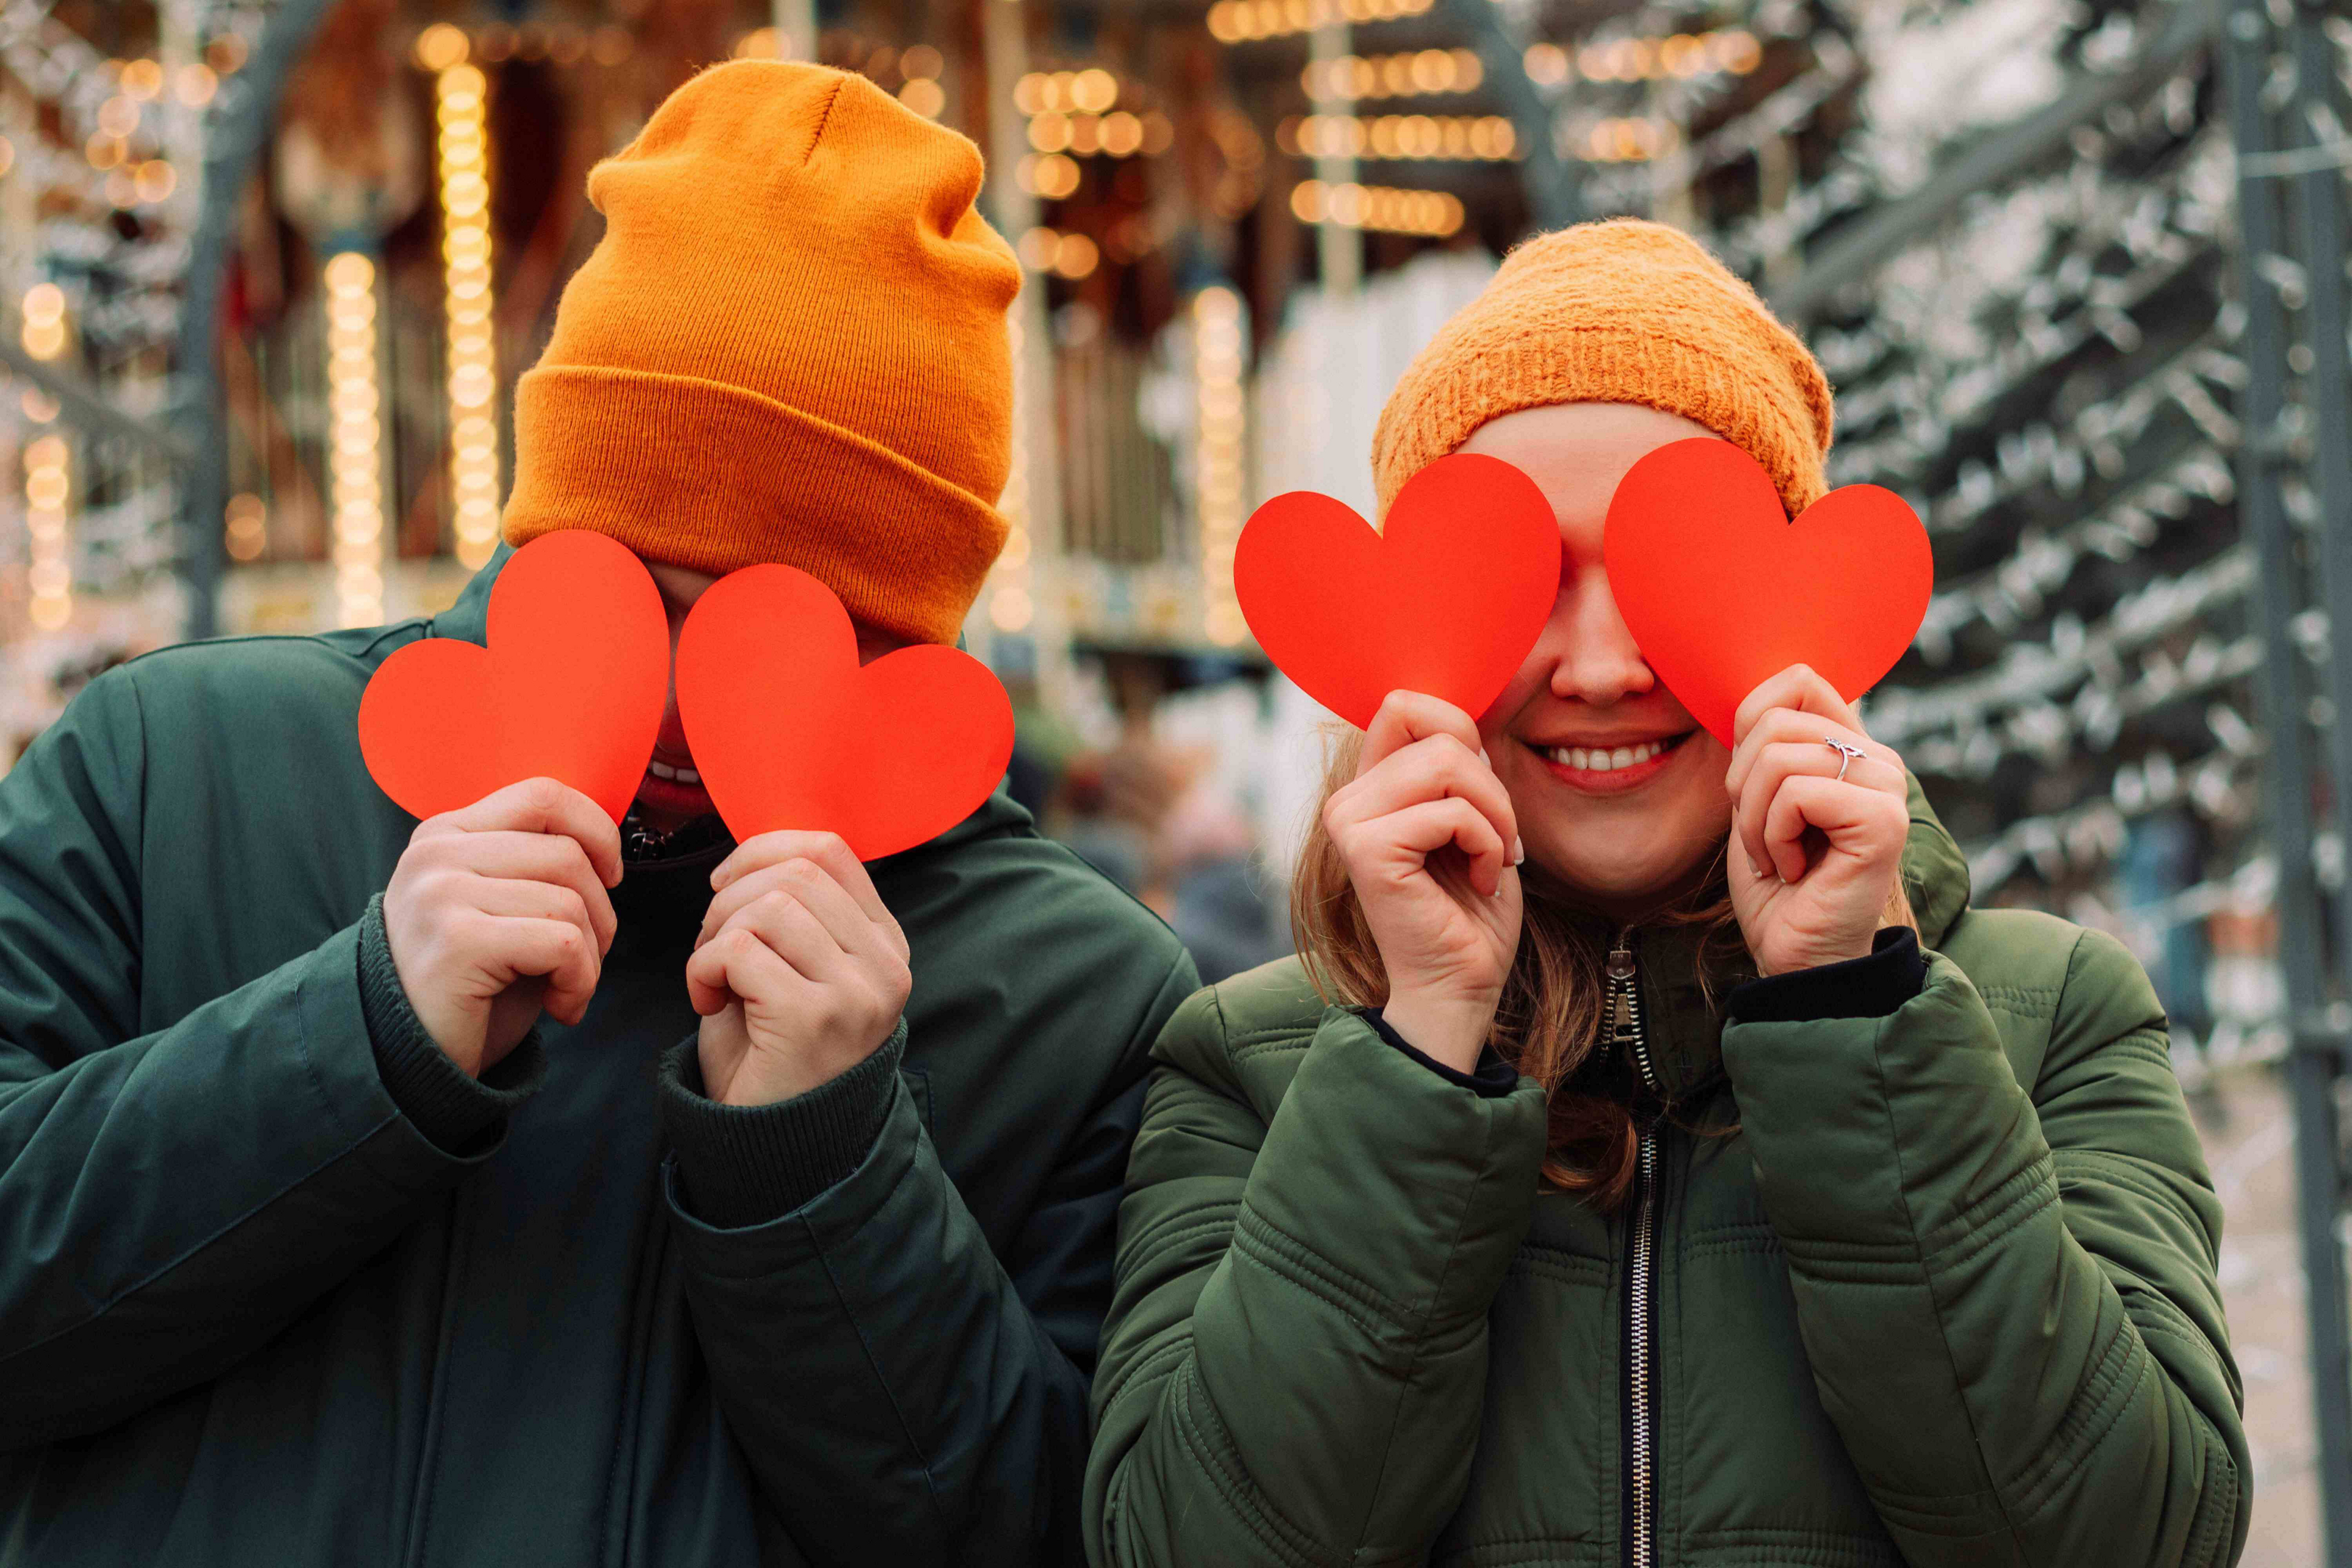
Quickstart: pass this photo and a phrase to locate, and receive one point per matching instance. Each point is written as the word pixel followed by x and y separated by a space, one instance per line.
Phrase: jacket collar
pixel 1683 1012
pixel 470 618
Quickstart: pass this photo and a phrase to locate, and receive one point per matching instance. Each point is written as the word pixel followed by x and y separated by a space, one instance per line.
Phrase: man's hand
pixel 499 912
pixel 799 972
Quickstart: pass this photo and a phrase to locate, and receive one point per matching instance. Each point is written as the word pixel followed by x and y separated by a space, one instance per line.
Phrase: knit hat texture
pixel 1620 311
pixel 790 345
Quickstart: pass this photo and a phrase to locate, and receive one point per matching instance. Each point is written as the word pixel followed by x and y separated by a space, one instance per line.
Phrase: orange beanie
pixel 1621 311
pixel 790 345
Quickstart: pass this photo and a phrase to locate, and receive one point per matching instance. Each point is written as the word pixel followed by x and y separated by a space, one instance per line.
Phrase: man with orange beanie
pixel 513 1189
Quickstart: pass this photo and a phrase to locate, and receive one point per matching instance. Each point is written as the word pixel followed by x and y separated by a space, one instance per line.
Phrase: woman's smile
pixel 1606 764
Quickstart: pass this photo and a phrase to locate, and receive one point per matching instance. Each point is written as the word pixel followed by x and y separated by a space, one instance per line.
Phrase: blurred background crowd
pixel 2076 267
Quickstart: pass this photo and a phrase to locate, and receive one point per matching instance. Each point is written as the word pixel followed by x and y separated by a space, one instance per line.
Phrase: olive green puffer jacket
pixel 1936 1288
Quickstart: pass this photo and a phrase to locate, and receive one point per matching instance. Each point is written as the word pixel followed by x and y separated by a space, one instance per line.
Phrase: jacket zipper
pixel 1625 1033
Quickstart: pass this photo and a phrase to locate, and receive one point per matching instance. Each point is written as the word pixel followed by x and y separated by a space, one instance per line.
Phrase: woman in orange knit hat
pixel 1651 1158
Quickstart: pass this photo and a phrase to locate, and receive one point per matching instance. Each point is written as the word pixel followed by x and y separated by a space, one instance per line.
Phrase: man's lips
pixel 673 786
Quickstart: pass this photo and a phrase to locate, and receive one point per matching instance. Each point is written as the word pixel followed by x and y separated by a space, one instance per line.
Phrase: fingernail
pixel 1484 758
pixel 1518 850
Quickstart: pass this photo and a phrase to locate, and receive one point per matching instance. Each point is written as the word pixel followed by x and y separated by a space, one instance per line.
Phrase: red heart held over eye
pixel 788 731
pixel 1722 592
pixel 571 686
pixel 1446 600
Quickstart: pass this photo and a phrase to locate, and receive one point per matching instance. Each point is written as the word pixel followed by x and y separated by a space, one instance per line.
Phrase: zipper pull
pixel 1622 1025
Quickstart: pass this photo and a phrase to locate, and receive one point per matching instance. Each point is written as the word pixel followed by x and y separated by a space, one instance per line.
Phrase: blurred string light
pixel 355 460
pixel 1244 21
pixel 1490 138
pixel 44 333
pixel 245 527
pixel 443 45
pixel 47 489
pixel 1070 256
pixel 920 65
pixel 462 91
pixel 1074 114
pixel 1627 141
pixel 1391 76
pixel 1681 56
pixel 1386 209
pixel 195 83
pixel 1217 477
pixel 1011 603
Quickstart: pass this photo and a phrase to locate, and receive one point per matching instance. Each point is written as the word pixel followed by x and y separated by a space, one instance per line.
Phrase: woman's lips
pixel 1609 770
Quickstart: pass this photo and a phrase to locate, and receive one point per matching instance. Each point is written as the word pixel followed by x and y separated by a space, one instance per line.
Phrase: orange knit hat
pixel 790 345
pixel 1621 311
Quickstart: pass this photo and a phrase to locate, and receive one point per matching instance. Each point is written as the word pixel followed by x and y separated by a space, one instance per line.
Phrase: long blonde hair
pixel 1549 1021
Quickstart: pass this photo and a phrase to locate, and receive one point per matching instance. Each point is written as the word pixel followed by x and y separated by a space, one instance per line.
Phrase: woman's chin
pixel 1639 870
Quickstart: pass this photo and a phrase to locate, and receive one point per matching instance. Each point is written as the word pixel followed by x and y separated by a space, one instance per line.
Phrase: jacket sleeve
pixel 900 1394
pixel 2008 1302
pixel 1296 1355
pixel 169 1199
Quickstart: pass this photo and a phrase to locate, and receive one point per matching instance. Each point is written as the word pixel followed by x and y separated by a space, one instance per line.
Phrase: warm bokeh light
pixel 1218 483
pixel 462 94
pixel 1351 77
pixel 1487 138
pixel 44 334
pixel 48 488
pixel 924 96
pixel 441 46
pixel 194 84
pixel 245 527
pixel 1242 21
pixel 1387 209
pixel 355 460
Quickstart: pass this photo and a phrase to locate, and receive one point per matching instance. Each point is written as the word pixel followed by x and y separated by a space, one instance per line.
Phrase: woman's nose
pixel 1595 659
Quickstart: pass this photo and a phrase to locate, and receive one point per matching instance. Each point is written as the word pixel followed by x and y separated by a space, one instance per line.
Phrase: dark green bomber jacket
pixel 279 1285
pixel 1934 1288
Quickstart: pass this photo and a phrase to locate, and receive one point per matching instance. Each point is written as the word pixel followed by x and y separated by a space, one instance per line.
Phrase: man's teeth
pixel 678 775
pixel 1602 759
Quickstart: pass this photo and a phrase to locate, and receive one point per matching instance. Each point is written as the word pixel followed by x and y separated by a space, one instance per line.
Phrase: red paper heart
pixel 788 731
pixel 1722 592
pixel 1446 600
pixel 571 686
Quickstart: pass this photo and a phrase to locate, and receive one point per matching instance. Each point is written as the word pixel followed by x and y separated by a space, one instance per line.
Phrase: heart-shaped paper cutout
pixel 1446 600
pixel 1722 592
pixel 788 731
pixel 571 686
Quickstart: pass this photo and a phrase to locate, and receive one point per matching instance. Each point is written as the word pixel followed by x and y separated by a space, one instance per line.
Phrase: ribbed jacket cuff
pixel 1873 988
pixel 451 1109
pixel 748 1164
pixel 1494 1078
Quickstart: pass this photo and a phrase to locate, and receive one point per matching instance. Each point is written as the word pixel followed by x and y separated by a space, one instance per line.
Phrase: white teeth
pixel 679 775
pixel 1603 760
pixel 688 775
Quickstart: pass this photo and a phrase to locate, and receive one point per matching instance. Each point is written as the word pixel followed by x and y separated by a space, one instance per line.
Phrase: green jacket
pixel 279 1285
pixel 1934 1288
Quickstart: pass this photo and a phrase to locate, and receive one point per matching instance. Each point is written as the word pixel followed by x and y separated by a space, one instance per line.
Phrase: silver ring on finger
pixel 1847 754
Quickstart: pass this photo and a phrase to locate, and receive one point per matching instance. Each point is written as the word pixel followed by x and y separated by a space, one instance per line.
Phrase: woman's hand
pixel 1813 858
pixel 1430 841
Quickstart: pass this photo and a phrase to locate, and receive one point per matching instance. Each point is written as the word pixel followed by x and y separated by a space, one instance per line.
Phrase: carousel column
pixel 1023 593
pixel 795 25
pixel 1339 246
